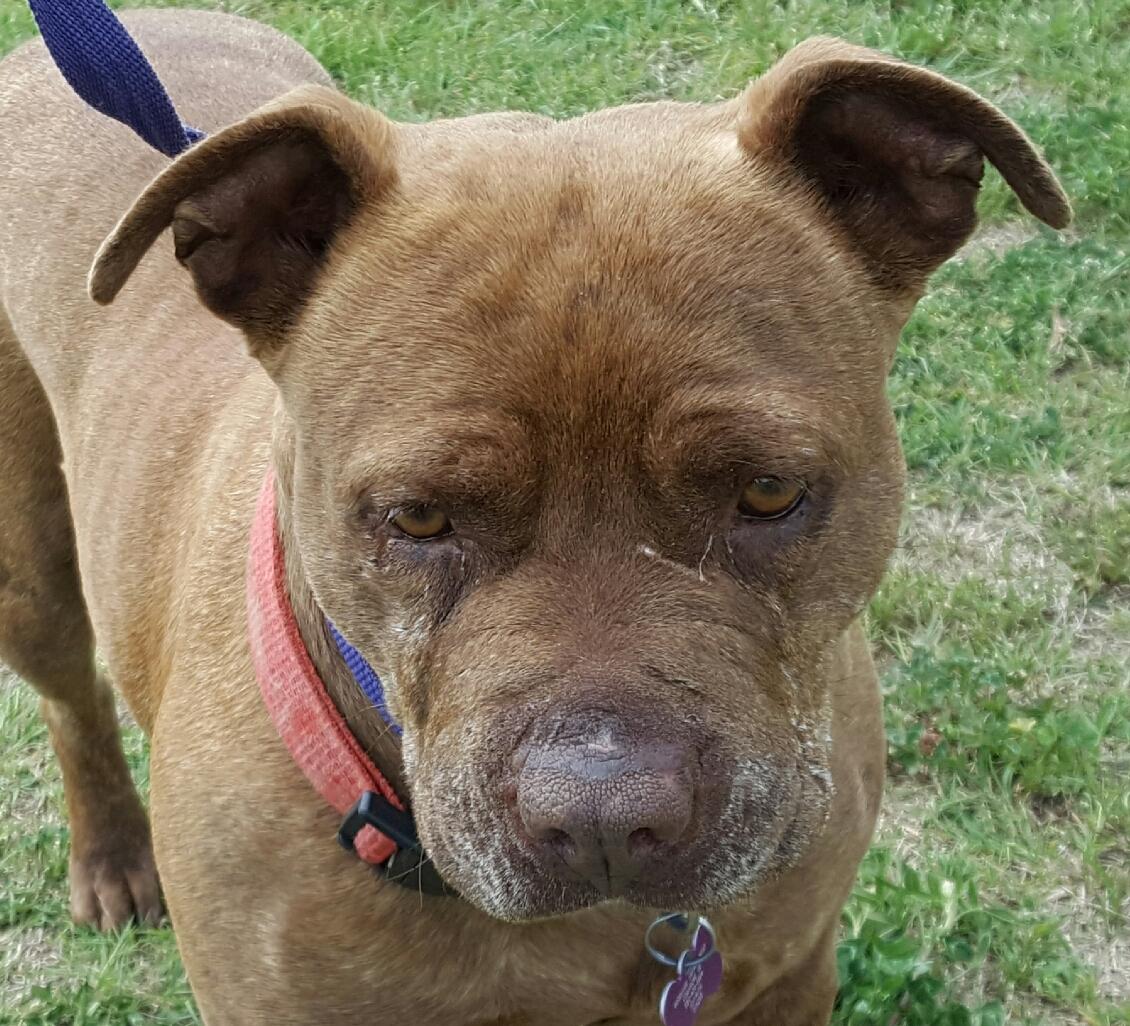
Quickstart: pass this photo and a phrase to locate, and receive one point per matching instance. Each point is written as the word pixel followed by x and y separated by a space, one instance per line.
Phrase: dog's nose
pixel 601 804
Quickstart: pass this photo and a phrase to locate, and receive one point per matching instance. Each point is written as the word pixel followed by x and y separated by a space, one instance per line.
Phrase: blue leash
pixel 102 63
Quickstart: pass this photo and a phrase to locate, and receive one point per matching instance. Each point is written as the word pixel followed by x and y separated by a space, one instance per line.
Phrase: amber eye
pixel 767 498
pixel 423 523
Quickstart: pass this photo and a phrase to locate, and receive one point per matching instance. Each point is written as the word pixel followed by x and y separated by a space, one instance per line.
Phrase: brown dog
pixel 581 437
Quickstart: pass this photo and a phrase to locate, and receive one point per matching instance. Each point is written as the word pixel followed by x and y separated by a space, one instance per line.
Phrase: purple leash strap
pixel 102 63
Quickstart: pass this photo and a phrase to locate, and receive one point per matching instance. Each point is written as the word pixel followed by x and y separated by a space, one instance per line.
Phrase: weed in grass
pixel 907 931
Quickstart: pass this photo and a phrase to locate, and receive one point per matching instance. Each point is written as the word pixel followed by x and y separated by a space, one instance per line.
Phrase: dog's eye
pixel 423 522
pixel 767 498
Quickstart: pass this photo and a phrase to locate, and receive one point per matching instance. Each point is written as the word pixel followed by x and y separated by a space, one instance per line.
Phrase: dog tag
pixel 698 970
pixel 698 975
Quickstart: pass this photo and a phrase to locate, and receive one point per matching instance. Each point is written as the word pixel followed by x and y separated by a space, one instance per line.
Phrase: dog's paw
pixel 114 885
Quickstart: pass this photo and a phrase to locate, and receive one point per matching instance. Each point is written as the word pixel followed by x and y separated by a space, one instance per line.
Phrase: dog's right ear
pixel 255 209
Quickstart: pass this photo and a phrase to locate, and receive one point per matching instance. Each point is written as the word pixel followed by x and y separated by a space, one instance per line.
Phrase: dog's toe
pixel 108 891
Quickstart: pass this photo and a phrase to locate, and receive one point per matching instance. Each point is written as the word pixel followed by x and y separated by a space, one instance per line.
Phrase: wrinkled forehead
pixel 589 298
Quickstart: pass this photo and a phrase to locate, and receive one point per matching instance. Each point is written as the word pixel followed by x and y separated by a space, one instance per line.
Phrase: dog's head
pixel 590 451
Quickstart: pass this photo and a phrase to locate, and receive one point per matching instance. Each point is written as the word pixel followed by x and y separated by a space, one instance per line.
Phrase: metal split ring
pixel 678 921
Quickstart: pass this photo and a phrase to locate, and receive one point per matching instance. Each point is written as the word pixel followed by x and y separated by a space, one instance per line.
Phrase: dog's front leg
pixel 46 637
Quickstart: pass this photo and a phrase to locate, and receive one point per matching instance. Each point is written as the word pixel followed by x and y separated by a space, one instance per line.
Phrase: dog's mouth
pixel 640 828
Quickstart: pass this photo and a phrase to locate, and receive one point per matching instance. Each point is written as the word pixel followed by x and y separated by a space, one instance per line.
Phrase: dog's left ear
pixel 256 208
pixel 895 152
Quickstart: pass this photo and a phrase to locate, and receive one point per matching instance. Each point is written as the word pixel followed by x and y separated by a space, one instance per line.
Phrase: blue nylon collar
pixel 102 63
pixel 365 676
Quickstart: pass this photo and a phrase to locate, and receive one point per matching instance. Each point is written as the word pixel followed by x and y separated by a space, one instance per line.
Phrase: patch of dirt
pixel 997 239
pixel 1001 544
pixel 1051 808
pixel 1023 1008
pixel 1102 946
pixel 1103 631
pixel 901 817
pixel 671 71
pixel 26 954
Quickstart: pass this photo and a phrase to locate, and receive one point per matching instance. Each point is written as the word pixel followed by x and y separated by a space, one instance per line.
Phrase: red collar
pixel 299 706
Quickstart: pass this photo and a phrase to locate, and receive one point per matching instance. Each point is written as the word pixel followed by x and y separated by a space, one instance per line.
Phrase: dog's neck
pixel 363 720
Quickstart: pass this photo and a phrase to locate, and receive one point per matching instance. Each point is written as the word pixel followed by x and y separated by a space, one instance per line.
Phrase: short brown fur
pixel 581 339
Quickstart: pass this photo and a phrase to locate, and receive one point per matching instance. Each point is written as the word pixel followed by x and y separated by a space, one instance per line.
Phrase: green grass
pixel 999 887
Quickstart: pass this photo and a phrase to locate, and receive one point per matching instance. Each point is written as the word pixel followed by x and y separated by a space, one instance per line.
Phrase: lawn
pixel 998 889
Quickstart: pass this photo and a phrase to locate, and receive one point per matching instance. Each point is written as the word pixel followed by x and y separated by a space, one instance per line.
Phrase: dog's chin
pixel 507 882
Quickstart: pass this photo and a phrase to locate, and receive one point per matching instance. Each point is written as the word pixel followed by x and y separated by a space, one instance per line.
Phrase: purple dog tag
pixel 685 995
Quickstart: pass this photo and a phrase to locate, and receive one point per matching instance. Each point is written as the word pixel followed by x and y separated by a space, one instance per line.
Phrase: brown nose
pixel 602 804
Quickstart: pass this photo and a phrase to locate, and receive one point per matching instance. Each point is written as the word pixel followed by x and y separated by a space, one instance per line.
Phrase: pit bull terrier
pixel 575 430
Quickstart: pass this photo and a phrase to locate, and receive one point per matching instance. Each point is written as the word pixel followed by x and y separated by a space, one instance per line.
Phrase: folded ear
pixel 894 151
pixel 255 208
